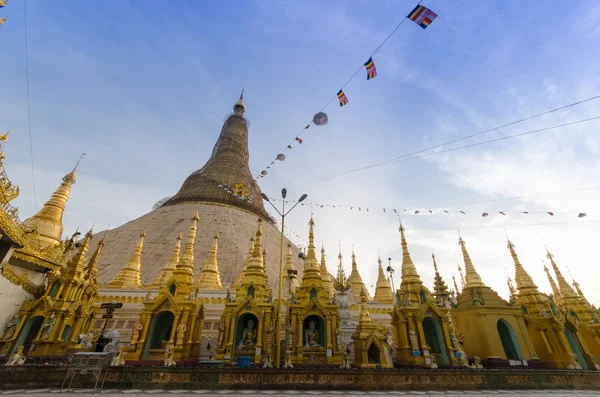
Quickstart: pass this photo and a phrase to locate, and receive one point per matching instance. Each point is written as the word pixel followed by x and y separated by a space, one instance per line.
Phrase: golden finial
pixel 209 278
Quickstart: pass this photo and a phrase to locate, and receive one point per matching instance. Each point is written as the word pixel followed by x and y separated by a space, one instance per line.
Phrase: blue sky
pixel 145 87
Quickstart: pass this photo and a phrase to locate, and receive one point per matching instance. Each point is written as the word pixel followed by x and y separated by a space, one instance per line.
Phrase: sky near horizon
pixel 144 87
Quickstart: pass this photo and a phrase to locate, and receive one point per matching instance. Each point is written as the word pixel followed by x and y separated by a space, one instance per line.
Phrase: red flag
pixel 289 146
pixel 299 140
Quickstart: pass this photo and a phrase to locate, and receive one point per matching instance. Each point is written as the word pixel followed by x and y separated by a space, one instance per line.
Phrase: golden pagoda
pixel 209 278
pixel 371 349
pixel 51 322
pixel 175 316
pixel 130 275
pixel 357 286
pixel 545 323
pixel 166 272
pixel 246 318
pixel 246 261
pixel 325 276
pixel 481 310
pixel 422 332
pixel 582 327
pixel 314 317
pixel 383 290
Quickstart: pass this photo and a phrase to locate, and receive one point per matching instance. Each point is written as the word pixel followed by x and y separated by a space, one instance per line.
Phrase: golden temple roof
pixel 440 289
pixel 130 275
pixel 209 278
pixel 566 291
pixel 525 283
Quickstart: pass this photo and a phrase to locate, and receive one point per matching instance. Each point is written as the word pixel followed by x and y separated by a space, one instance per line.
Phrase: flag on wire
pixel 299 140
pixel 422 16
pixel 342 98
pixel 289 146
pixel 371 69
pixel 551 213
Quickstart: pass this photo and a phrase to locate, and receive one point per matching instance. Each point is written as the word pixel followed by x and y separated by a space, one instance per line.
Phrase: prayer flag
pixel 502 213
pixel 289 146
pixel 551 213
pixel 371 70
pixel 581 215
pixel 484 214
pixel 299 140
pixel 422 16
pixel 342 98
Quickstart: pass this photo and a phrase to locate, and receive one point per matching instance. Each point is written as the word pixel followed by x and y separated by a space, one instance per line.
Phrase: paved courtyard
pixel 293 393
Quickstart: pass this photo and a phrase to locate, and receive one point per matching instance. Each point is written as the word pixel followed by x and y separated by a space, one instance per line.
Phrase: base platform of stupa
pixel 189 378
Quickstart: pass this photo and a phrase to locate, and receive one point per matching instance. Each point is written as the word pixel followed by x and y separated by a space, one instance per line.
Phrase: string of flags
pixel 406 211
pixel 420 15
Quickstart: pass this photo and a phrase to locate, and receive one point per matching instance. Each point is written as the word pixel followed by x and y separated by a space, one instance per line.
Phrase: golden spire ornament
pixel 209 278
pixel 472 278
pixel 130 275
pixel 166 272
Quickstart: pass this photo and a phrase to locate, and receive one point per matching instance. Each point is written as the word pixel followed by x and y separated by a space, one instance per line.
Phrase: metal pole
pixel 279 314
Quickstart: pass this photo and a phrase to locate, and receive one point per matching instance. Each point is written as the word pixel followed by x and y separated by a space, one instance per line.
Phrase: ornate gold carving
pixel 23 281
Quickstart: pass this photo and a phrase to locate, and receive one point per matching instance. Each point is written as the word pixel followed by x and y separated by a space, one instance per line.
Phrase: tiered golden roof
pixel 209 278
pixel 383 290
pixel 130 275
pixel 325 276
pixel 166 272
pixel 255 275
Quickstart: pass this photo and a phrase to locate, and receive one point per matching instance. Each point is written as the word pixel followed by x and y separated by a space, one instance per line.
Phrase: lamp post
pixel 390 270
pixel 283 214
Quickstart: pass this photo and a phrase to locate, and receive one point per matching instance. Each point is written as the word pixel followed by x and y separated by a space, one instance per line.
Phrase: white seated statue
pixel 311 335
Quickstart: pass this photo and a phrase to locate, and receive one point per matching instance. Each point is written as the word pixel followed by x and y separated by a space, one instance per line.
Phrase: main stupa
pixel 229 203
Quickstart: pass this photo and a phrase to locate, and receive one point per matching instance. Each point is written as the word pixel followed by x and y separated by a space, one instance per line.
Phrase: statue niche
pixel 314 331
pixel 373 354
pixel 246 334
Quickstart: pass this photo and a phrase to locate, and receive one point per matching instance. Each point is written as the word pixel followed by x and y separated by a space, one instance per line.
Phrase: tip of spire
pixel 240 103
pixel 143 233
pixel 196 217
pixel 180 237
pixel 216 236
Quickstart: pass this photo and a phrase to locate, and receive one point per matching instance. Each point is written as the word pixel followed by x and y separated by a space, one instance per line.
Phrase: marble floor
pixel 291 393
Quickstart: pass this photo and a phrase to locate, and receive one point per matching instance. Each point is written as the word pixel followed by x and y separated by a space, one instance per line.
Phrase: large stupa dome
pixel 228 201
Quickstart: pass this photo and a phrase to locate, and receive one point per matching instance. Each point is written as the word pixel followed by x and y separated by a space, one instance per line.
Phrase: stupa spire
pixel 525 283
pixel 566 290
pixel 92 267
pixel 555 290
pixel 511 289
pixel 325 276
pixel 48 220
pixel 226 177
pixel 290 270
pixel 130 275
pixel 383 290
pixel 456 290
pixel 166 272
pixel 210 278
pixel 76 265
pixel 240 276
pixel 472 278
pixel 312 270
pixel 411 283
pixel 356 282
pixel 440 289
pixel 184 271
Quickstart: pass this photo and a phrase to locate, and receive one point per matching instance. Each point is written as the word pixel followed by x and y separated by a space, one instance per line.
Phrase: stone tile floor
pixel 290 393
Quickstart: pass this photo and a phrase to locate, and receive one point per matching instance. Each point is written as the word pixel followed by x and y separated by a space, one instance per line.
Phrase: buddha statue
pixel 248 336
pixel 311 335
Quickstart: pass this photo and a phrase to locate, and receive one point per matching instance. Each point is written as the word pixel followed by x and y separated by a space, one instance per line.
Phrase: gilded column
pixel 174 328
pixel 193 327
pixel 422 342
pixel 145 320
pixel 328 333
